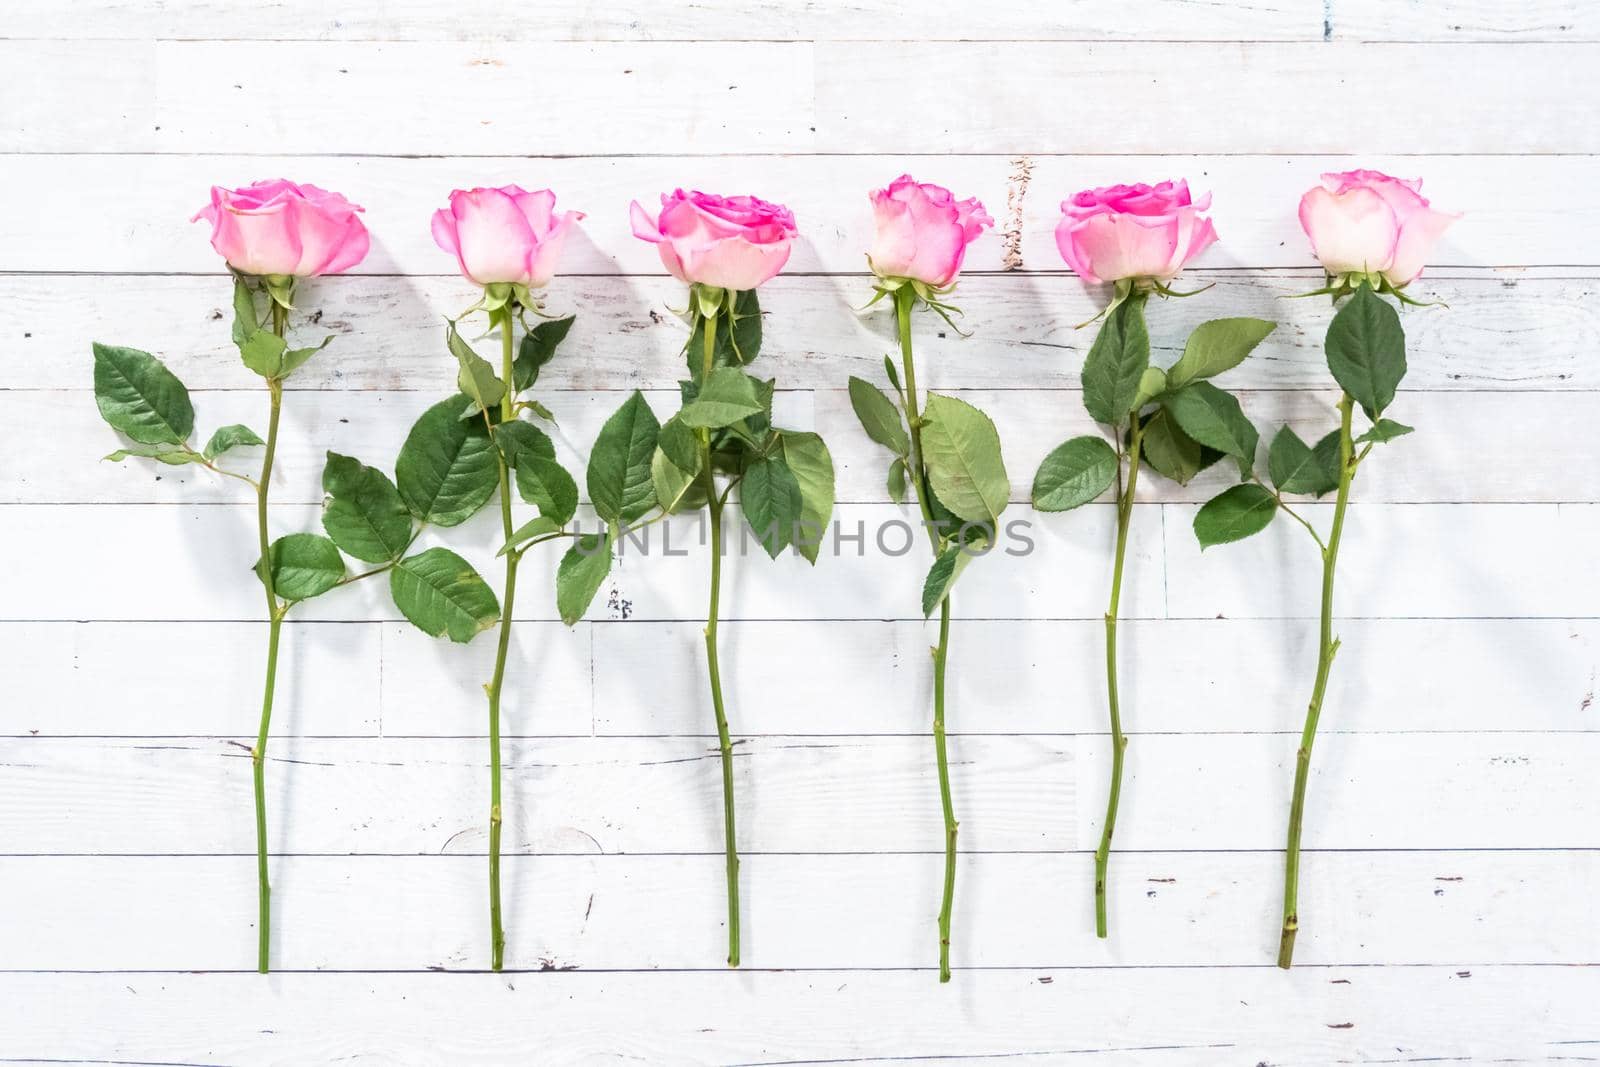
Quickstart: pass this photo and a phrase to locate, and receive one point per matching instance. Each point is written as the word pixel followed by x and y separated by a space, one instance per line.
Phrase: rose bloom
pixel 922 231
pixel 728 242
pixel 1133 231
pixel 1365 222
pixel 276 227
pixel 504 235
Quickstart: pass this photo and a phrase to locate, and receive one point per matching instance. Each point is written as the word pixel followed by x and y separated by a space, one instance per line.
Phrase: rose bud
pixel 1138 232
pixel 922 232
pixel 732 242
pixel 1361 222
pixel 277 229
pixel 505 236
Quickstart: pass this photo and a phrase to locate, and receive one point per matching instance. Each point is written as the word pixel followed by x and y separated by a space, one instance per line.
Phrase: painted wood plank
pixel 1515 331
pixel 1310 1016
pixel 873 20
pixel 1477 563
pixel 1507 675
pixel 1399 560
pixel 69 437
pixel 1464 20
pixel 320 96
pixel 995 102
pixel 53 208
pixel 804 912
pixel 576 20
pixel 842 794
pixel 784 96
pixel 876 568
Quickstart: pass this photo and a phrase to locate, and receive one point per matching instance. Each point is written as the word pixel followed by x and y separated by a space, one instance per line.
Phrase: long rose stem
pixel 275 613
pixel 1327 648
pixel 904 299
pixel 1119 743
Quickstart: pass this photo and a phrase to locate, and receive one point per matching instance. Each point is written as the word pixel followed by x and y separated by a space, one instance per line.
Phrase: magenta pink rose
pixel 1365 222
pixel 505 235
pixel 1133 231
pixel 922 231
pixel 727 242
pixel 276 227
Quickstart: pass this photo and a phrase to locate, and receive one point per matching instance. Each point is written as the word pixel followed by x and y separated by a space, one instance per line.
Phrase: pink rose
pixel 505 235
pixel 922 231
pixel 1364 222
pixel 727 242
pixel 1133 231
pixel 279 228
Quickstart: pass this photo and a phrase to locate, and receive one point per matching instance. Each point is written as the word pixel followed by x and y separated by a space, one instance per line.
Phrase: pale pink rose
pixel 922 231
pixel 505 235
pixel 1365 222
pixel 727 242
pixel 276 227
pixel 1133 231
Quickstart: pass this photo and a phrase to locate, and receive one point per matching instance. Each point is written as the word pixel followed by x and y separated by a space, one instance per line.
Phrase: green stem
pixel 1327 648
pixel 497 931
pixel 275 613
pixel 904 300
pixel 714 505
pixel 1119 743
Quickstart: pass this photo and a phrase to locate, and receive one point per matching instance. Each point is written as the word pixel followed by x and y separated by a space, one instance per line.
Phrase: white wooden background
pixel 1454 826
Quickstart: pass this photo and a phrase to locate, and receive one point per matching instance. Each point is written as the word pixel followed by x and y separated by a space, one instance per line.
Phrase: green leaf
pixel 476 378
pixel 1074 474
pixel 580 574
pixel 1366 350
pixel 172 457
pixel 879 416
pixel 1170 452
pixel 538 347
pixel 245 322
pixel 1213 418
pixel 897 480
pixel 263 353
pixel 447 468
pixel 675 467
pixel 542 526
pixel 894 376
pixel 962 451
pixel 540 410
pixel 769 497
pixel 1116 363
pixel 304 565
pixel 230 437
pixel 1295 467
pixel 944 572
pixel 546 485
pixel 619 465
pixel 363 512
pixel 1152 383
pixel 139 396
pixel 1216 346
pixel 722 399
pixel 1384 430
pixel 442 595
pixel 808 457
pixel 1234 515
pixel 518 439
pixel 736 345
pixel 1327 452
pixel 293 358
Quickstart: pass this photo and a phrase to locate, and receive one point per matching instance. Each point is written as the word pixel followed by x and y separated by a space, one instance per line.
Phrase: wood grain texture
pixel 1018 793
pixel 788 96
pixel 1319 1015
pixel 609 912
